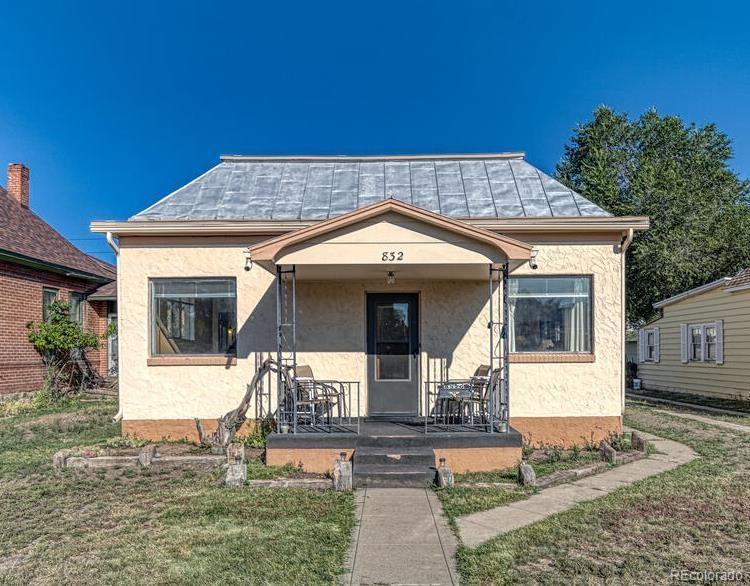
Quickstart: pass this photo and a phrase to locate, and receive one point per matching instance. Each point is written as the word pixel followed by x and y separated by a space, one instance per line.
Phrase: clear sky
pixel 114 105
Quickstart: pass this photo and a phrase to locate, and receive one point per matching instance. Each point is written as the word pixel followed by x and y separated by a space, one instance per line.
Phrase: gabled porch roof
pixel 492 247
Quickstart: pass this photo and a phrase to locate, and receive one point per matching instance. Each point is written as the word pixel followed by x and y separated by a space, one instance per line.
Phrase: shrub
pixel 62 343
pixel 619 442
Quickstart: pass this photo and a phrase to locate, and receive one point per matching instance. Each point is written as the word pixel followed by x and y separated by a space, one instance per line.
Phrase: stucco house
pixel 449 303
pixel 700 344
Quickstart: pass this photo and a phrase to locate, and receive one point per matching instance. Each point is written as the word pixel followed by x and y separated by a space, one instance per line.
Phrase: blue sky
pixel 114 105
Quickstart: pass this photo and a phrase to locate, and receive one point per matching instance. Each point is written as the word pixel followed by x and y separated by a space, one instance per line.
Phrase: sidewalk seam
pixel 356 538
pixel 440 539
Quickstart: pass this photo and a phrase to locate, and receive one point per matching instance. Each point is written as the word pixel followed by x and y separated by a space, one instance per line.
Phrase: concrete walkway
pixel 479 527
pixel 708 420
pixel 402 538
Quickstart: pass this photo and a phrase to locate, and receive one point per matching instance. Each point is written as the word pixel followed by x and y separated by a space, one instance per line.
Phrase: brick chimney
pixel 18 183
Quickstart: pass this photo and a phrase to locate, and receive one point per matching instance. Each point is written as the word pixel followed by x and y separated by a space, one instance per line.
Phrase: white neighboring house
pixel 701 343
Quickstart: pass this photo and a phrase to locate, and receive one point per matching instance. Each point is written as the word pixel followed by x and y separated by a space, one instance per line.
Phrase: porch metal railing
pixel 305 404
pixel 321 406
pixel 475 404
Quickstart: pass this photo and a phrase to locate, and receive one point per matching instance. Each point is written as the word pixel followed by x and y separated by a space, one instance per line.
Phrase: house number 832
pixel 393 255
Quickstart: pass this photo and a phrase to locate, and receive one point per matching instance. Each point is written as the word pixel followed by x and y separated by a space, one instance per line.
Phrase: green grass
pixel 738 419
pixel 463 500
pixel 258 471
pixel 695 517
pixel 138 526
pixel 701 400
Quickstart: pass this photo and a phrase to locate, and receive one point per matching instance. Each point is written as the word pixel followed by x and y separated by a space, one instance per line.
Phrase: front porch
pixel 396 451
pixel 404 313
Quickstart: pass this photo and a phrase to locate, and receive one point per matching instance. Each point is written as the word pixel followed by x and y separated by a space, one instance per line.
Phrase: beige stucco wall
pixel 331 332
pixel 363 245
pixel 730 380
pixel 578 389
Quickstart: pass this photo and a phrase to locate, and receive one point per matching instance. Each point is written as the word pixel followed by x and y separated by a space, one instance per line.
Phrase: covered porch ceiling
pixel 391 236
pixel 401 273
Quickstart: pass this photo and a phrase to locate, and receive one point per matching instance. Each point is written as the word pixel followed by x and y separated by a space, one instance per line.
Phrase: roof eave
pixel 692 292
pixel 14 257
pixel 276 227
pixel 737 288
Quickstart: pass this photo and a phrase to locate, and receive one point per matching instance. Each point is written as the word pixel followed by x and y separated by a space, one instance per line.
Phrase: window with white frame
pixel 709 339
pixel 696 343
pixel 650 346
pixel 702 342
pixel 648 341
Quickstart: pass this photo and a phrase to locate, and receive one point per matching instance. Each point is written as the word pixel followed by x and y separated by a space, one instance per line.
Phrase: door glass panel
pixel 392 352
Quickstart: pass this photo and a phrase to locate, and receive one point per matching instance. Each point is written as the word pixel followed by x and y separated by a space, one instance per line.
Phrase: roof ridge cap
pixel 402 157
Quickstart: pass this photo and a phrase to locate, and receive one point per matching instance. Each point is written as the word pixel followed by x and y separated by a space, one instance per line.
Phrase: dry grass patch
pixel 152 527
pixel 694 517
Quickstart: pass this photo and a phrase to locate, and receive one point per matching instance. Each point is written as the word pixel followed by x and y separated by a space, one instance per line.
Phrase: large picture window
pixel 550 314
pixel 193 316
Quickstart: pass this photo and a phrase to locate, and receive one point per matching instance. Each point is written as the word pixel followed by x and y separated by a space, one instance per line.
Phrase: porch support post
pixel 286 343
pixel 505 388
pixel 491 325
pixel 279 345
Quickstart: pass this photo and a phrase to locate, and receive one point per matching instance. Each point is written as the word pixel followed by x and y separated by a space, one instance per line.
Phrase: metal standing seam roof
pixel 318 188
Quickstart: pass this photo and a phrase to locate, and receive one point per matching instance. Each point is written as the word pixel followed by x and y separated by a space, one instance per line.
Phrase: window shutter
pixel 641 346
pixel 656 344
pixel 719 341
pixel 684 343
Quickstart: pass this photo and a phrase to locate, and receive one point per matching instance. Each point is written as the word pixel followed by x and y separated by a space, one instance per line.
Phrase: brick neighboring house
pixel 37 266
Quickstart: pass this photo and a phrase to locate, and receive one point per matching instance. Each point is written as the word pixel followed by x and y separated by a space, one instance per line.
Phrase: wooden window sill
pixel 541 357
pixel 191 361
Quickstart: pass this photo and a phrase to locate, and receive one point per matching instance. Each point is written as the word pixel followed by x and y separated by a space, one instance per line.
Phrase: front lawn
pixel 695 517
pixel 742 407
pixel 471 493
pixel 137 526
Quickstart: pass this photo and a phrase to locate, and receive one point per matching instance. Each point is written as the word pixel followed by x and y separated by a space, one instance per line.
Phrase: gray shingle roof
pixel 317 188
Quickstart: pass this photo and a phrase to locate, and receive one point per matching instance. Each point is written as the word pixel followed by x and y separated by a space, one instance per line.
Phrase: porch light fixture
pixel 532 260
pixel 390 278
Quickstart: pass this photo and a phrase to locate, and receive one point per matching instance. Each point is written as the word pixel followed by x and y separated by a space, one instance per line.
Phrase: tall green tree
pixel 677 174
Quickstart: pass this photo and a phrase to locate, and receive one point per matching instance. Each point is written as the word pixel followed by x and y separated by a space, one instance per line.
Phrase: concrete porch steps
pixel 414 456
pixel 393 475
pixel 402 462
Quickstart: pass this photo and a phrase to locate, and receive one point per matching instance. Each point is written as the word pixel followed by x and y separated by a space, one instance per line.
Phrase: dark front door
pixel 392 354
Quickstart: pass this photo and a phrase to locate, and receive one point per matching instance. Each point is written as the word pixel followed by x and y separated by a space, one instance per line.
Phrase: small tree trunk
pixel 230 423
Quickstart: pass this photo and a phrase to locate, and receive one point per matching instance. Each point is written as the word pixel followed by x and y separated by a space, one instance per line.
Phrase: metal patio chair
pixel 464 400
pixel 316 400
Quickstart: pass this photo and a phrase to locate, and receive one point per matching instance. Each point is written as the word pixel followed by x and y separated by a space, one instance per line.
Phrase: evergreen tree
pixel 679 176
